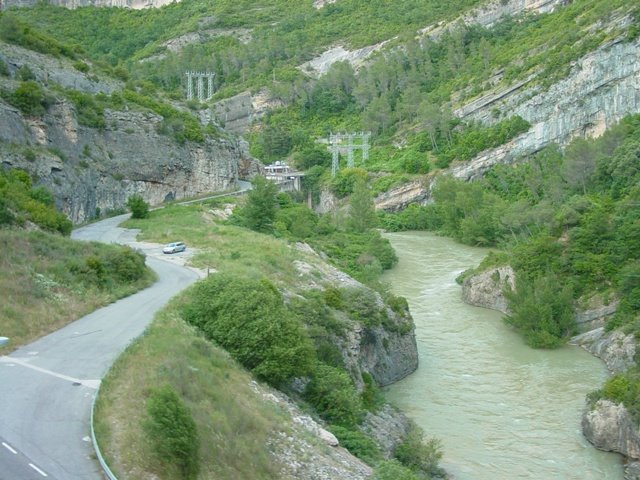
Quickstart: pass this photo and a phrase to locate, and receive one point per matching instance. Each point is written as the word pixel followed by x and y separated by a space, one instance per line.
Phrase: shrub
pixel 139 208
pixel 28 97
pixel 358 444
pixel 418 455
pixel 247 317
pixel 542 309
pixel 127 265
pixel 393 470
pixel 172 431
pixel 334 396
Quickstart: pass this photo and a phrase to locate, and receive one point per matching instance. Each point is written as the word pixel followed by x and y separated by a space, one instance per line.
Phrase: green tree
pixel 172 431
pixel 260 210
pixel 362 212
pixel 139 208
pixel 542 310
pixel 332 393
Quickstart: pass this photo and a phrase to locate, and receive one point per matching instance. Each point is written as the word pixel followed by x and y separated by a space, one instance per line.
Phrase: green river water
pixel 502 410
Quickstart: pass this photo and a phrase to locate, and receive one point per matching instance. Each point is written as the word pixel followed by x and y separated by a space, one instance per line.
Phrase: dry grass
pixel 39 293
pixel 234 423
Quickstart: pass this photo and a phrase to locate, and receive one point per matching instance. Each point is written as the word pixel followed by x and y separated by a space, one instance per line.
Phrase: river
pixel 502 410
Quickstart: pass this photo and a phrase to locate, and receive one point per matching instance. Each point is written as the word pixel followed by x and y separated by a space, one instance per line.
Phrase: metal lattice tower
pixel 199 77
pixel 354 141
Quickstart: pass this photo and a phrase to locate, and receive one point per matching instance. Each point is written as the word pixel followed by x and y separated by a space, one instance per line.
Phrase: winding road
pixel 47 387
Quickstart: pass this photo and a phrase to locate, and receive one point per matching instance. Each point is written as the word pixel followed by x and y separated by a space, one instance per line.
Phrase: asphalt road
pixel 47 387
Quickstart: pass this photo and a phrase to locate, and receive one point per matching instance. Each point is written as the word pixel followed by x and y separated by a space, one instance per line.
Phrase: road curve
pixel 47 387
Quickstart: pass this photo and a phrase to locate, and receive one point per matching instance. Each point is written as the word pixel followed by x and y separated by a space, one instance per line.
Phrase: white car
pixel 174 247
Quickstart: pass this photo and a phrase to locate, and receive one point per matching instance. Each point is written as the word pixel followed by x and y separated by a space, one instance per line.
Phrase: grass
pixel 41 292
pixel 225 248
pixel 235 424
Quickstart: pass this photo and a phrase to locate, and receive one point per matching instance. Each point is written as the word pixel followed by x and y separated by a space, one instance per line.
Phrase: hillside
pixel 510 124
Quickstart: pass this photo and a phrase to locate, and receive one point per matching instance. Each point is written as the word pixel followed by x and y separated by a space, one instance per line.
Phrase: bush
pixel 172 431
pixel 393 470
pixel 28 97
pixel 418 455
pixel 139 208
pixel 127 265
pixel 358 444
pixel 247 317
pixel 334 396
pixel 542 310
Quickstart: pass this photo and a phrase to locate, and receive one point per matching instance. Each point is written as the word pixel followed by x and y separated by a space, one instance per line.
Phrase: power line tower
pixel 347 143
pixel 199 78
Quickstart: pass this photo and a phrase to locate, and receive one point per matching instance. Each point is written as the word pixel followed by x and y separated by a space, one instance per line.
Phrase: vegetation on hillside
pixel 48 280
pixel 568 220
pixel 279 321
pixel 407 89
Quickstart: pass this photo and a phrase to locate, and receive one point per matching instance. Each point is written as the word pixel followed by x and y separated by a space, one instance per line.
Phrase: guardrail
pixel 103 463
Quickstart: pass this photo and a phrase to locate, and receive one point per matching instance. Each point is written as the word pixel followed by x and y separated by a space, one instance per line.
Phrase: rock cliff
pixel 485 289
pixel 609 427
pixel 601 89
pixel 616 349
pixel 90 169
pixel 386 350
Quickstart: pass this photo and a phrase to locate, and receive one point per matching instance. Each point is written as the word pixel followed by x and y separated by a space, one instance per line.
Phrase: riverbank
pixel 503 410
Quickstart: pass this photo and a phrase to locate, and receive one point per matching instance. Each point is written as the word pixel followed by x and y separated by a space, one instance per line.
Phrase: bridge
pixel 284 176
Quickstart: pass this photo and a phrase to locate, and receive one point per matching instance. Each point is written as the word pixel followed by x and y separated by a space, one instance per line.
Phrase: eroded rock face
pixel 308 450
pixel 601 89
pixel 401 197
pixel 87 169
pixel 485 289
pixel 388 426
pixel 609 426
pixel 387 351
pixel 616 349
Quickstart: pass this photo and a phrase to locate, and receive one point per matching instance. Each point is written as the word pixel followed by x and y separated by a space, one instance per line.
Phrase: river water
pixel 502 410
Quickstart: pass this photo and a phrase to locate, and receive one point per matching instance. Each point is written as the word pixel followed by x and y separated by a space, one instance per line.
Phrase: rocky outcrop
pixel 89 169
pixel 97 169
pixel 308 450
pixel 385 350
pixel 238 113
pixel 134 4
pixel 610 427
pixel 401 197
pixel 388 427
pixel 51 70
pixel 615 348
pixel 357 58
pixel 485 289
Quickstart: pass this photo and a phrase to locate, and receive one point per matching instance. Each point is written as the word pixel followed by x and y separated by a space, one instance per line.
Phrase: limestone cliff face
pixel 485 289
pixel 601 89
pixel 135 4
pixel 609 427
pixel 616 348
pixel 387 349
pixel 88 168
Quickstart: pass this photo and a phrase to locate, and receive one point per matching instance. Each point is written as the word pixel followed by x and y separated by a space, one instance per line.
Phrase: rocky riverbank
pixel 607 425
